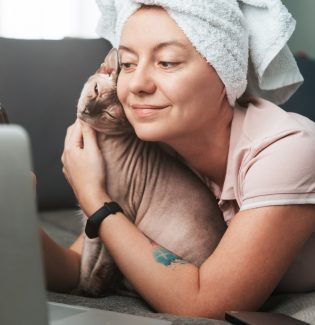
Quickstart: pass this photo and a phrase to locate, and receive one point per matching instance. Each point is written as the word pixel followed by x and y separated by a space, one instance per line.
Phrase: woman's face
pixel 167 89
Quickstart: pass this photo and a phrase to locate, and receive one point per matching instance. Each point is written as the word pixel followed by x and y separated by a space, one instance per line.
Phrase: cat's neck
pixel 116 128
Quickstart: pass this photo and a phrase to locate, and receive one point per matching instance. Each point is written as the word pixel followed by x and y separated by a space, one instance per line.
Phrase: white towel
pixel 241 39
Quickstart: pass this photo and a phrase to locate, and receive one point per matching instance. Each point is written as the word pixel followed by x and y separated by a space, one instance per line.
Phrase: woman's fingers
pixel 74 136
pixel 89 137
pixel 83 163
pixel 67 146
pixel 80 135
pixel 34 180
pixel 68 134
pixel 73 139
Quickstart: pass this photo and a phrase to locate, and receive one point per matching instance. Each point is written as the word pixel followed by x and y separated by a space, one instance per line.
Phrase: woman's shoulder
pixel 264 120
pixel 276 154
pixel 269 131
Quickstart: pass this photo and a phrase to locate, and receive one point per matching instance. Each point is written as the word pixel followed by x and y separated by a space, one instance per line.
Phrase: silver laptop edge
pixel 22 286
pixel 20 299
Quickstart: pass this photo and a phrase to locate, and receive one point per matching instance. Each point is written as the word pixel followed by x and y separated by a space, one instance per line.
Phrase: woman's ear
pixel 110 65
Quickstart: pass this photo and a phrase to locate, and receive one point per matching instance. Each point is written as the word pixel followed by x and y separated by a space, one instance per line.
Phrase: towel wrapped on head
pixel 244 40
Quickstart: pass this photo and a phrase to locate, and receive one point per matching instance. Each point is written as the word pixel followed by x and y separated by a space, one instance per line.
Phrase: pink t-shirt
pixel 271 160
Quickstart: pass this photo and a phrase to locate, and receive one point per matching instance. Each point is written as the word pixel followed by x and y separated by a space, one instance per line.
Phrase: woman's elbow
pixel 195 306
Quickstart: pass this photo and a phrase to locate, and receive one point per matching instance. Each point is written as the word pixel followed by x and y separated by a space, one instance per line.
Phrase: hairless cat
pixel 162 196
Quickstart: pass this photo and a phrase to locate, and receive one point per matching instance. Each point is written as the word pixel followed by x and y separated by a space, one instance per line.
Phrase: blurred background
pixel 48 19
pixel 55 19
pixel 303 39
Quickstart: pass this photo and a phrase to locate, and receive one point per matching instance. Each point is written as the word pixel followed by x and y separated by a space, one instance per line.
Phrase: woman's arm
pixel 256 250
pixel 241 273
pixel 62 265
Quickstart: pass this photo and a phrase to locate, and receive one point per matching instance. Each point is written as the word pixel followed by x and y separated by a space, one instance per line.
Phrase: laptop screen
pixel 22 290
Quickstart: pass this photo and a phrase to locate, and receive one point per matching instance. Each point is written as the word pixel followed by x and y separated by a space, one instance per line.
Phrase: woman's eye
pixel 126 66
pixel 167 65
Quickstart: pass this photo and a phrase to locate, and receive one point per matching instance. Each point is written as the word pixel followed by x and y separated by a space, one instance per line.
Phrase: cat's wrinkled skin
pixel 163 197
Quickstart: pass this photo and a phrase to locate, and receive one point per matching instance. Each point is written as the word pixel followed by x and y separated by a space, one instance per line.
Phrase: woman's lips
pixel 143 110
pixel 145 106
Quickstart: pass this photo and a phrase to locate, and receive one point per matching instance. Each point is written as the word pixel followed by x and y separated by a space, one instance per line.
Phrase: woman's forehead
pixel 152 26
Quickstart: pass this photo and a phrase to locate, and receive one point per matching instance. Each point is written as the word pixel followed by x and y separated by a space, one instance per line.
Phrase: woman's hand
pixel 34 181
pixel 84 166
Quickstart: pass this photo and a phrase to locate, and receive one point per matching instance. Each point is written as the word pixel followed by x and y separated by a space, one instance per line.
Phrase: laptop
pixel 22 288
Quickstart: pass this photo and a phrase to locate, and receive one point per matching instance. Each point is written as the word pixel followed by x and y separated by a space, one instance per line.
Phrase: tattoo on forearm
pixel 164 256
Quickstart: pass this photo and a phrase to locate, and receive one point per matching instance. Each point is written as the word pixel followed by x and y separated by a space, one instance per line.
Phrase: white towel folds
pixel 244 40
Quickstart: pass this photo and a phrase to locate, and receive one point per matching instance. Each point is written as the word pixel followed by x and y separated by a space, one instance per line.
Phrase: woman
pixel 171 94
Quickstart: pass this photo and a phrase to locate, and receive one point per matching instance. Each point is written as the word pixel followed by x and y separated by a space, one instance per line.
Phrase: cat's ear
pixel 111 63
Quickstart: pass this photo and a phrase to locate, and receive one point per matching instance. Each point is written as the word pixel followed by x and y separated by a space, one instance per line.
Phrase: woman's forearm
pixel 62 265
pixel 168 283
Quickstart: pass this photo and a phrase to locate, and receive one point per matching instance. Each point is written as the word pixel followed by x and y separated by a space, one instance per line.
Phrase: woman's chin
pixel 146 137
pixel 146 134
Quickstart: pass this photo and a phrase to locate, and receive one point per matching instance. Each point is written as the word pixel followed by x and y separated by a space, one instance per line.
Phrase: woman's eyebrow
pixel 157 47
pixel 170 43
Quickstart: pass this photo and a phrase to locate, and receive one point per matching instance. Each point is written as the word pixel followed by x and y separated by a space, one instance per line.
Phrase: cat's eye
pixel 96 89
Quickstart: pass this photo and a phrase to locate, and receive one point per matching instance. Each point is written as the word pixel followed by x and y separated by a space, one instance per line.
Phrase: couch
pixel 40 82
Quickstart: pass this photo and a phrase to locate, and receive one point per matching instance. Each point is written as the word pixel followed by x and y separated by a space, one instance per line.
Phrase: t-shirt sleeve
pixel 280 171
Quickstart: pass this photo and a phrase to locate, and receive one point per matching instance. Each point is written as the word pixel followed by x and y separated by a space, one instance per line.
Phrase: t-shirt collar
pixel 227 192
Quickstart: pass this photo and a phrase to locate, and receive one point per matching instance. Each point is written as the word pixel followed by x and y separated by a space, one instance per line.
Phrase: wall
pixel 303 38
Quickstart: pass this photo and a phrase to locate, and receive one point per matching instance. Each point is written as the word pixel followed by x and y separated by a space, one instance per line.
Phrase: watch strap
pixel 94 221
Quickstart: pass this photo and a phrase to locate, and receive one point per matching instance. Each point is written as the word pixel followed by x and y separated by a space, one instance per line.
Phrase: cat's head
pixel 98 103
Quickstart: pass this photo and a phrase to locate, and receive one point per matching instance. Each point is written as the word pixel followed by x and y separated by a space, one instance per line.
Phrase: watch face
pixel 91 229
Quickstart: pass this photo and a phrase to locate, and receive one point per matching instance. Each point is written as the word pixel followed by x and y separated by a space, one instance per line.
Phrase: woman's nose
pixel 142 81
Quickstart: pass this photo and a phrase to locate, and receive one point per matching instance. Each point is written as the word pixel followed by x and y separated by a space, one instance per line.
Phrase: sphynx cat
pixel 163 197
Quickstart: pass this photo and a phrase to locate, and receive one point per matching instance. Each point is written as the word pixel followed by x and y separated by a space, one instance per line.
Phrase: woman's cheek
pixel 121 90
pixel 122 97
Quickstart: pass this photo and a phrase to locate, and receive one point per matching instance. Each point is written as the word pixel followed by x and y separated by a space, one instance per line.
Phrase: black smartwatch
pixel 94 222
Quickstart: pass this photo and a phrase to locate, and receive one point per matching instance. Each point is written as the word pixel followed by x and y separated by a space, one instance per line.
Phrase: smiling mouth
pixel 147 107
pixel 146 111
